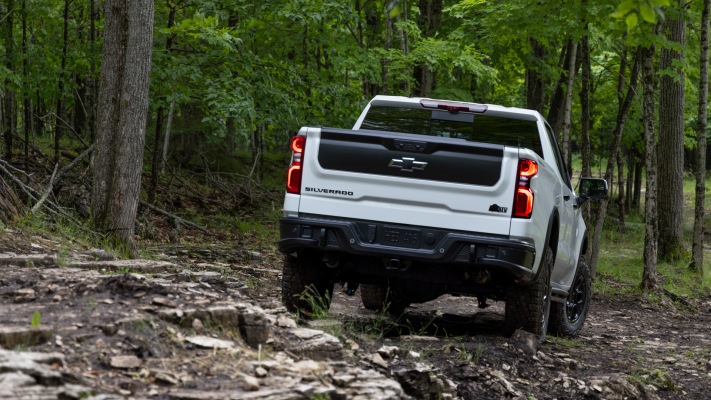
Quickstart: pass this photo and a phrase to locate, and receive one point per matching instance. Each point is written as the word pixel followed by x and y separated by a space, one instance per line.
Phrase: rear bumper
pixel 408 242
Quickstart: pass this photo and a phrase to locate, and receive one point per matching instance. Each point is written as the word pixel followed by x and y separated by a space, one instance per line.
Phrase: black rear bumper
pixel 408 242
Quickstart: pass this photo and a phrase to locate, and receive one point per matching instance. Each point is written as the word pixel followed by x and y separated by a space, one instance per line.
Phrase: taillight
pixel 454 107
pixel 523 199
pixel 293 175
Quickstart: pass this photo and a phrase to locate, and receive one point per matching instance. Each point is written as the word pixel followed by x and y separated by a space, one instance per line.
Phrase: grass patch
pixel 621 260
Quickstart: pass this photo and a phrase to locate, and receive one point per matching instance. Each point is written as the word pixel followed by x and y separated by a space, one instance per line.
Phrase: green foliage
pixel 632 10
pixel 36 319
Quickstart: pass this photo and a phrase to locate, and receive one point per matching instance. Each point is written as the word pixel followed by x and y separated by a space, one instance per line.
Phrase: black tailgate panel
pixel 410 156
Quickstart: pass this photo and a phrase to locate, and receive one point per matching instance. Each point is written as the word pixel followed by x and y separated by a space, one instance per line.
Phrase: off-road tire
pixel 306 285
pixel 528 307
pixel 567 318
pixel 382 299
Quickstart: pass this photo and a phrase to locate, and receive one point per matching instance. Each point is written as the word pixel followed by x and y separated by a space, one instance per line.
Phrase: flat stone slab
pixel 139 266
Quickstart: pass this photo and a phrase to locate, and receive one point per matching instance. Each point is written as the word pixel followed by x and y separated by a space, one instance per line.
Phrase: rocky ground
pixel 206 323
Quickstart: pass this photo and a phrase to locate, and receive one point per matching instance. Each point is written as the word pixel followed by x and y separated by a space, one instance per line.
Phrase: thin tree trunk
pixel 567 148
pixel 638 167
pixel 534 79
pixel 429 22
pixel 651 232
pixel 671 141
pixel 697 250
pixel 9 101
pixel 621 191
pixel 60 103
pixel 556 108
pixel 629 182
pixel 93 86
pixel 26 104
pixel 622 113
pixel 585 116
pixel 166 138
pixel 158 155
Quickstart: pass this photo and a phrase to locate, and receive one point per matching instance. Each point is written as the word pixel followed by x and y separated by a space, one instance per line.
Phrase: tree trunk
pixel 671 142
pixel 60 120
pixel 10 113
pixel 585 116
pixel 629 180
pixel 26 103
pixel 651 233
pixel 166 139
pixel 158 155
pixel 621 191
pixel 123 107
pixel 697 249
pixel 638 169
pixel 622 112
pixel 534 79
pixel 429 22
pixel 556 109
pixel 567 148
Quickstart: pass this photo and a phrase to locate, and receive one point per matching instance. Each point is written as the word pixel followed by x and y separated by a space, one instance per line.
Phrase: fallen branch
pixel 56 176
pixel 175 217
pixel 676 297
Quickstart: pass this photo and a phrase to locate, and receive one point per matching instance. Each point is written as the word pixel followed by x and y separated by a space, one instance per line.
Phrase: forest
pixel 624 83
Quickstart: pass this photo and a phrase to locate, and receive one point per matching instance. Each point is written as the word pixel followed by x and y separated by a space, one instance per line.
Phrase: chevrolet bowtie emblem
pixel 407 164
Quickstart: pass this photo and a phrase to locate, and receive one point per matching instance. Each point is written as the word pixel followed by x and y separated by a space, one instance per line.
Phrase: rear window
pixel 470 127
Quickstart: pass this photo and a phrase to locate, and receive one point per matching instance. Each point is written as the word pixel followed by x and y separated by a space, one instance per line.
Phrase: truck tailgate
pixel 409 179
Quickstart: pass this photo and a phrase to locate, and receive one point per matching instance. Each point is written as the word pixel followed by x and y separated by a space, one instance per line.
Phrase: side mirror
pixel 592 189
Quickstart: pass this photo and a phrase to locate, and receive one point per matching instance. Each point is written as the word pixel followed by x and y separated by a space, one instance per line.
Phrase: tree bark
pixel 429 22
pixel 585 115
pixel 123 106
pixel 556 108
pixel 59 121
pixel 567 148
pixel 158 153
pixel 671 142
pixel 10 113
pixel 534 79
pixel 26 103
pixel 651 233
pixel 622 113
pixel 697 248
pixel 621 191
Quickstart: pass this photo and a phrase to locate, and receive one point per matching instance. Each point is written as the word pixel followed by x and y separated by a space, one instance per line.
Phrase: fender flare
pixel 553 226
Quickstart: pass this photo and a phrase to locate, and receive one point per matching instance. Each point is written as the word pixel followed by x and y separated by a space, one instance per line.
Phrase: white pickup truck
pixel 428 197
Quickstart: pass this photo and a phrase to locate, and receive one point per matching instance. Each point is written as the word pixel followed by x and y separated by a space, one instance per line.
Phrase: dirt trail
pixel 207 323
pixel 628 349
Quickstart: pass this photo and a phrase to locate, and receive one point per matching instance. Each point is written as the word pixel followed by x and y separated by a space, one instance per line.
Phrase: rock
pixel 284 321
pixel 164 301
pixel 312 343
pixel 99 255
pixel 254 327
pixel 250 383
pixel 125 362
pixel 525 341
pixel 209 277
pixel 210 343
pixel 378 360
pixel 260 372
pixel 389 351
pixel 424 382
pixel 13 336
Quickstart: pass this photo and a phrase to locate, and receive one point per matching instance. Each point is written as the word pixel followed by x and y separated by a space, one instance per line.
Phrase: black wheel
pixel 528 307
pixel 567 318
pixel 306 286
pixel 382 298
